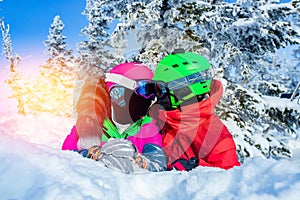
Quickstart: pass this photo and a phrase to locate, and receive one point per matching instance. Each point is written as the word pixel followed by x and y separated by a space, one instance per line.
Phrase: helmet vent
pixel 175 65
pixel 185 63
pixel 194 62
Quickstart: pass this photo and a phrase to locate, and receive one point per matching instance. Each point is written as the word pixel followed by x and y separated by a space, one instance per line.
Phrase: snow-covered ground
pixel 33 167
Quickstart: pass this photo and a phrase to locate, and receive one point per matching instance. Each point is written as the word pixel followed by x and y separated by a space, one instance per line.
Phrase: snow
pixel 34 167
pixel 282 103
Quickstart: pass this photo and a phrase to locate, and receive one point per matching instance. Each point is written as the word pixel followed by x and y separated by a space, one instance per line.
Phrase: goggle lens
pixel 117 95
pixel 144 88
pixel 148 88
pixel 190 80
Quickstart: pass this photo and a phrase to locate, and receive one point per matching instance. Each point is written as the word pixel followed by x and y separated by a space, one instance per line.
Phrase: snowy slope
pixel 34 167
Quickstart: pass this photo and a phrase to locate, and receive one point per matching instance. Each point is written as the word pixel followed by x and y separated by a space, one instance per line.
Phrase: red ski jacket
pixel 196 132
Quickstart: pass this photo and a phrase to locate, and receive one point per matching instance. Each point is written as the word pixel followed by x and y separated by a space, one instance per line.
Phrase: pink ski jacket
pixel 148 134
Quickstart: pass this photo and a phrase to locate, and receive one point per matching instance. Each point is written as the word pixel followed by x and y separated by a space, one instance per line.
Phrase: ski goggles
pixel 191 79
pixel 144 88
pixel 149 88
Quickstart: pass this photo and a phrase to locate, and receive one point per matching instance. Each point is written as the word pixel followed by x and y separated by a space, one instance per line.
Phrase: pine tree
pixel 96 52
pixel 237 37
pixel 56 46
pixel 15 81
pixel 52 90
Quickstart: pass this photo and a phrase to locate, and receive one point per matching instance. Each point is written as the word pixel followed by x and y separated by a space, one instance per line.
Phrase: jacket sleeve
pixel 71 140
pixel 223 155
pixel 156 157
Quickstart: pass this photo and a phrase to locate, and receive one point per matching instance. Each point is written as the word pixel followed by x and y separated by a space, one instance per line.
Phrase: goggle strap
pixel 175 105
pixel 188 97
pixel 172 99
pixel 121 80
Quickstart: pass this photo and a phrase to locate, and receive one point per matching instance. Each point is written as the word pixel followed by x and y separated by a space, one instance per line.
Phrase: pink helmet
pixel 127 106
pixel 131 70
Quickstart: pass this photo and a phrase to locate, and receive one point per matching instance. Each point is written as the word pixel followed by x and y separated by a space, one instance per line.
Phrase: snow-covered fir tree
pixel 53 87
pixel 56 46
pixel 15 82
pixel 96 52
pixel 239 35
pixel 156 33
pixel 236 34
pixel 7 46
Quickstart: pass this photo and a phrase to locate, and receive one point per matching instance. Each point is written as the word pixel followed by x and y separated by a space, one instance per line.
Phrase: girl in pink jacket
pixel 121 115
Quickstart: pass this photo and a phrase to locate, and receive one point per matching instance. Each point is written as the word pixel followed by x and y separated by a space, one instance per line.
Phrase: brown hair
pixel 93 107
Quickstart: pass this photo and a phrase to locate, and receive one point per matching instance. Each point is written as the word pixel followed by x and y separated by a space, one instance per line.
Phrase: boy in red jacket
pixel 192 134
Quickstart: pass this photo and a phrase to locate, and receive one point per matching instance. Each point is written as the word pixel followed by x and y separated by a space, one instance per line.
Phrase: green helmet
pixel 186 75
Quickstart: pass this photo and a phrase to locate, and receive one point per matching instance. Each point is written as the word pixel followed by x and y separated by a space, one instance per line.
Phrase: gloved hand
pixel 185 165
pixel 94 152
pixel 119 154
pixel 141 161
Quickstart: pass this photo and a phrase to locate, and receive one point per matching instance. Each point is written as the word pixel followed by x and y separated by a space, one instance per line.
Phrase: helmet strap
pixel 174 104
pixel 185 98
pixel 179 102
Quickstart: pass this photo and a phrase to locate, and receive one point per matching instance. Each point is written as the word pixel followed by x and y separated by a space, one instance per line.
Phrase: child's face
pixel 128 107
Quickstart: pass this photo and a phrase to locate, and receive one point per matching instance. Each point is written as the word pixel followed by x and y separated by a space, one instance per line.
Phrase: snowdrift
pixel 34 167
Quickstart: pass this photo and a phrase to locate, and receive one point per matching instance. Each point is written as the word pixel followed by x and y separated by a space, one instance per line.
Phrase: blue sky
pixel 30 21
